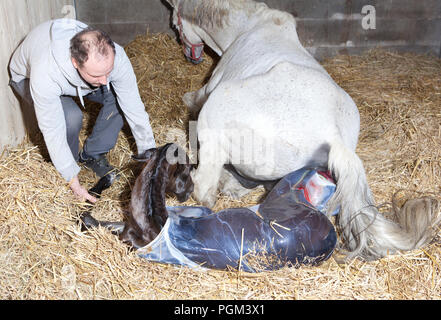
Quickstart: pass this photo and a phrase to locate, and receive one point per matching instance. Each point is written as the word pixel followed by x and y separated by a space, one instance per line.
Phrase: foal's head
pixel 179 168
pixel 172 170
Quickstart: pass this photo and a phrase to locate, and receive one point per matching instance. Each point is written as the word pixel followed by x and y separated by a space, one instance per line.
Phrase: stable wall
pixel 124 19
pixel 331 27
pixel 17 18
pixel 325 27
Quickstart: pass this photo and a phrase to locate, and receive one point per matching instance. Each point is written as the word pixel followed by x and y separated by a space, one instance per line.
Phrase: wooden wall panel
pixel 17 18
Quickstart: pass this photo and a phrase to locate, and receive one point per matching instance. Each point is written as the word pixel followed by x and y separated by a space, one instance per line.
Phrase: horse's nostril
pixel 198 61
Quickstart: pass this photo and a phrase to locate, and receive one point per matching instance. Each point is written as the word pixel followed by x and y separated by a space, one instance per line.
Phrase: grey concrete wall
pixel 325 27
pixel 335 26
pixel 124 19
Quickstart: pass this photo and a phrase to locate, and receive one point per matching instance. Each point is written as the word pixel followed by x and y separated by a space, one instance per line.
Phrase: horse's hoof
pixel 209 202
pixel 203 199
pixel 207 199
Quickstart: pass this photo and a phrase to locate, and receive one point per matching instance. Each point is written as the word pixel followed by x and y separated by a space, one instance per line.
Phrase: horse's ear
pixel 173 3
pixel 145 156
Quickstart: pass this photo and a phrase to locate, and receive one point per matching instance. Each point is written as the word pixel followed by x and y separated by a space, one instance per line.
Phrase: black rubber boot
pixel 98 165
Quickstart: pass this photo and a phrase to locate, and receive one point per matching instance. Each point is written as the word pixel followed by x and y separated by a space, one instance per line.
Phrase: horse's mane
pixel 217 12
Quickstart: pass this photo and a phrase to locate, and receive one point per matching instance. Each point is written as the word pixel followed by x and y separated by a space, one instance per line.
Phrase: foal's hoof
pixel 88 222
pixel 104 183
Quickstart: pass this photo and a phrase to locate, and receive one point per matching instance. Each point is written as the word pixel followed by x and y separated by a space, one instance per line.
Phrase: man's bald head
pixel 93 55
pixel 91 43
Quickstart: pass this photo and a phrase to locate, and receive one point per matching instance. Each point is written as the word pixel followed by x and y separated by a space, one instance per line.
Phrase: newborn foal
pixel 166 170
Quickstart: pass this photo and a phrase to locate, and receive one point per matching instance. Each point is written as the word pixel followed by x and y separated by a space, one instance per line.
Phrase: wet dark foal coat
pixel 166 171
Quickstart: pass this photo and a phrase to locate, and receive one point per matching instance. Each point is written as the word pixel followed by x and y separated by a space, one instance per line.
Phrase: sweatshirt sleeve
pixel 51 121
pixel 125 85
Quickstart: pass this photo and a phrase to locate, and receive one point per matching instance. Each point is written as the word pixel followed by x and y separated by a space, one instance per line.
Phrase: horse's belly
pixel 282 160
pixel 268 148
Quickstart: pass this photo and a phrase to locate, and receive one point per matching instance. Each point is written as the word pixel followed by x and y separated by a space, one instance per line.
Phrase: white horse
pixel 270 102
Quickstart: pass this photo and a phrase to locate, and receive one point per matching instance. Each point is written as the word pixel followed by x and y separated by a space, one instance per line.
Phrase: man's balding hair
pixel 88 41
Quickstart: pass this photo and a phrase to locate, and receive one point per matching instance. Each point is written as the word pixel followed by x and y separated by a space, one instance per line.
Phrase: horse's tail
pixel 364 230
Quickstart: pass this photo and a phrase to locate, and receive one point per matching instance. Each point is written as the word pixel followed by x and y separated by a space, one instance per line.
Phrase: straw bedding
pixel 44 255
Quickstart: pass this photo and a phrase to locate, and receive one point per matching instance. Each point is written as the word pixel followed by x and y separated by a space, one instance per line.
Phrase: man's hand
pixel 79 192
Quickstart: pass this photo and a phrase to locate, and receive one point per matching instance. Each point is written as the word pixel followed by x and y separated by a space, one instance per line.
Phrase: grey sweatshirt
pixel 44 58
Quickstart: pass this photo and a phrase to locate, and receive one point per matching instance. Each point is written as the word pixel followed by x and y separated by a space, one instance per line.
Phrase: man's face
pixel 96 70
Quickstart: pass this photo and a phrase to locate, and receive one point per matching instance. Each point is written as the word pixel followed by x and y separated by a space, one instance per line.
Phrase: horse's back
pixel 283 94
pixel 257 52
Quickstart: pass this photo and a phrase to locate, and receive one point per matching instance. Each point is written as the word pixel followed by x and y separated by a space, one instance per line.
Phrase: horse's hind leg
pixel 230 186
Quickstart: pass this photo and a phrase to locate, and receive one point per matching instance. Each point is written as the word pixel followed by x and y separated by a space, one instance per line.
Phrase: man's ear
pixel 74 62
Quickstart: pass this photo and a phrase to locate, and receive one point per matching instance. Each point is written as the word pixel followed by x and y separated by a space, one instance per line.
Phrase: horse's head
pixel 192 43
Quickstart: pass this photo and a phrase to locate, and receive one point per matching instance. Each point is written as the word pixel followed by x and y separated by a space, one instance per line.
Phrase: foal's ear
pixel 146 155
pixel 173 3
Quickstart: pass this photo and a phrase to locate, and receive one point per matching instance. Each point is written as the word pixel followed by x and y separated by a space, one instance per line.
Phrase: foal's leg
pixel 87 220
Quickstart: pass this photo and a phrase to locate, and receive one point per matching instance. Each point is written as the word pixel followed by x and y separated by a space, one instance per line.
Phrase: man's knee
pixel 111 110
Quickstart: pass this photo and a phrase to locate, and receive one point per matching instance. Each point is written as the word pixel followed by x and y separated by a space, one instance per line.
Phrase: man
pixel 64 58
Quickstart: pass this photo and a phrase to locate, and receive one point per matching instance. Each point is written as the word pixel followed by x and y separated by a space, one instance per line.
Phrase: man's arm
pixel 124 82
pixel 51 121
